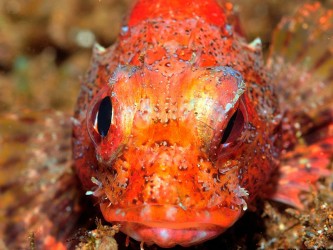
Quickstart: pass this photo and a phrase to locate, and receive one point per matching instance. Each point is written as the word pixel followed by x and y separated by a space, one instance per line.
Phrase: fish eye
pixel 234 128
pixel 103 117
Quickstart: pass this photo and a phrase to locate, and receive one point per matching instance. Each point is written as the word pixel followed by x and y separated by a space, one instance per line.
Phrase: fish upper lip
pixel 171 216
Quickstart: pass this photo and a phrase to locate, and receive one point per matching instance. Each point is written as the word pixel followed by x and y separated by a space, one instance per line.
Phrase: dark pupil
pixel 104 116
pixel 229 127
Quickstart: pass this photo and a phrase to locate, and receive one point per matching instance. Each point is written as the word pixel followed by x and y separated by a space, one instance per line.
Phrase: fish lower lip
pixel 168 225
pixel 169 237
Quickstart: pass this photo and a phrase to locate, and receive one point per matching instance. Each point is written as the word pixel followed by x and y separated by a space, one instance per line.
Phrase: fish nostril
pixel 165 143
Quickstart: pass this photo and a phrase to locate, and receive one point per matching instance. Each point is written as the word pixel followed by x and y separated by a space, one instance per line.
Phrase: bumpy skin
pixel 176 76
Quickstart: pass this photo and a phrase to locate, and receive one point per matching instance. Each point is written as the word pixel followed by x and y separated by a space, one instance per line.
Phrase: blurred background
pixel 45 49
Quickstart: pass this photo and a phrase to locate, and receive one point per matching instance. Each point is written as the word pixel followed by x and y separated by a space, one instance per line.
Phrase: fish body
pixel 177 124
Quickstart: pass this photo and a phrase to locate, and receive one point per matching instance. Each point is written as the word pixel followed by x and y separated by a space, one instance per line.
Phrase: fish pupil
pixel 234 127
pixel 104 116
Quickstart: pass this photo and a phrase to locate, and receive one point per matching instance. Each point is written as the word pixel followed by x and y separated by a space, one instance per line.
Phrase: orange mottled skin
pixel 176 76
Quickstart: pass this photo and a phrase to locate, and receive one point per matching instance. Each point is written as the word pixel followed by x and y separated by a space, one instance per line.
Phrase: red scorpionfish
pixel 180 125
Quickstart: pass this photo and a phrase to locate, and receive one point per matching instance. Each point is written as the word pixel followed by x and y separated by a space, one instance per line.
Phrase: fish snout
pixel 168 195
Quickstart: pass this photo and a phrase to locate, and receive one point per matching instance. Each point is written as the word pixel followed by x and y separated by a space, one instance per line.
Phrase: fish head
pixel 171 152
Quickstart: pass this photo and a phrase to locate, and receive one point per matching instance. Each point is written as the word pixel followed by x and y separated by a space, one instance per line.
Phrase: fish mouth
pixel 169 225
